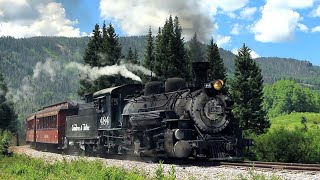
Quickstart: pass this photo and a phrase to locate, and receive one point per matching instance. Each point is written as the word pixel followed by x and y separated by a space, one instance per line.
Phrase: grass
pixel 24 167
pixel 293 120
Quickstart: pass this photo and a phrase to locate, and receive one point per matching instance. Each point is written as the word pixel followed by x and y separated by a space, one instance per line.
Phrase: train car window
pixel 46 122
pixel 54 122
pixel 104 107
pixel 30 124
pixel 40 123
pixel 115 101
pixel 51 122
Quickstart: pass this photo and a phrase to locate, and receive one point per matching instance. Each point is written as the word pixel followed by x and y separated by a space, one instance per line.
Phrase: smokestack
pixel 200 72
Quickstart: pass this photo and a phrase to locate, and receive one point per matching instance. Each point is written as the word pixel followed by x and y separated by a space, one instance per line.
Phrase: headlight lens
pixel 218 85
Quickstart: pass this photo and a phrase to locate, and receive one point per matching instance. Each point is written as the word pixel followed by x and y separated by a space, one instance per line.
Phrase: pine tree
pixel 149 52
pixel 129 58
pixel 111 48
pixel 167 67
pixel 159 54
pixel 216 66
pixel 135 57
pixel 91 58
pixel 180 59
pixel 246 89
pixel 170 55
pixel 8 118
pixel 110 55
pixel 196 54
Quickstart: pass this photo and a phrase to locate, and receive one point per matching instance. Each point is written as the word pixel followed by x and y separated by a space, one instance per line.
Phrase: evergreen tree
pixel 159 56
pixel 129 58
pixel 110 55
pixel 180 60
pixel 196 54
pixel 247 91
pixel 8 118
pixel 216 65
pixel 135 57
pixel 170 55
pixel 149 52
pixel 91 58
pixel 111 48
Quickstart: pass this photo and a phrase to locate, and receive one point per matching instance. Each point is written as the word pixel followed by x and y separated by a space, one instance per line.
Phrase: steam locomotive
pixel 171 119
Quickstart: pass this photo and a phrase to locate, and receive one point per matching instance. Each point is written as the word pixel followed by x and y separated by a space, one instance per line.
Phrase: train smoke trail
pixel 95 72
pixel 135 67
pixel 49 68
pixel 195 16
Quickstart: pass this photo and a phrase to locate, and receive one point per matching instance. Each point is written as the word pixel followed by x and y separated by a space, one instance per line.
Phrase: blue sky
pixel 271 28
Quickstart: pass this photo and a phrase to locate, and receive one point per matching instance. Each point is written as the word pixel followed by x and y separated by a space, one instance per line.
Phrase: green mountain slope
pixel 34 73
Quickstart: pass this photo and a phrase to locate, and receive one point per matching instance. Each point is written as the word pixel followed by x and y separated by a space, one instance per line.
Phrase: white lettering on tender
pixel 82 127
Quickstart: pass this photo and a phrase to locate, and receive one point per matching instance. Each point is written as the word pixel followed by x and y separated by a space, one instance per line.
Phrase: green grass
pixel 293 120
pixel 24 167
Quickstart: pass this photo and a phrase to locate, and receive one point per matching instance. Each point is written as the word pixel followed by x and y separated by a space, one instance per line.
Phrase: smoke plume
pixel 95 72
pixel 49 68
pixel 194 15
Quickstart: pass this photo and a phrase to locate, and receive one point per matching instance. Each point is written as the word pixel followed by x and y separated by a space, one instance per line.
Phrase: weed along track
pixel 275 165
pixel 195 170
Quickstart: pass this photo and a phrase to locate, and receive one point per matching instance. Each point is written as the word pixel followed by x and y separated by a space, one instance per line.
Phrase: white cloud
pixel 316 12
pixel 303 27
pixel 247 12
pixel 316 29
pixel 235 51
pixel 35 18
pixel 134 17
pixel 228 5
pixel 223 40
pixel 236 29
pixel 279 20
pixel 253 54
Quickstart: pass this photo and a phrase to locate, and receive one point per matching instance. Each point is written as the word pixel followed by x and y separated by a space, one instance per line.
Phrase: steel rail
pixel 274 165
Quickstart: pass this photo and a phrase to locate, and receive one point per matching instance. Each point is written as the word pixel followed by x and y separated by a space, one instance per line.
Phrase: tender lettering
pixel 82 127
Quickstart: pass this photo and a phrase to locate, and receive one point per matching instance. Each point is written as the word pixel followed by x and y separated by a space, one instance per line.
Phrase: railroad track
pixel 274 165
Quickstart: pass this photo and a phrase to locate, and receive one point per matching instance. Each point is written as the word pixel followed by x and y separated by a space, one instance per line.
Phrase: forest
pixel 19 57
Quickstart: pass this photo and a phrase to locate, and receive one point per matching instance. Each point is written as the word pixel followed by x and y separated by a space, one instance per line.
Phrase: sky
pixel 270 28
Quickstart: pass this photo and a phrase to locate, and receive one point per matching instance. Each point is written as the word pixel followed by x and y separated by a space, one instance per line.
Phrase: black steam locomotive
pixel 170 119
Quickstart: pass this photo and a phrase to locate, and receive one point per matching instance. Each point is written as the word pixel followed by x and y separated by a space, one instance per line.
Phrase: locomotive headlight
pixel 218 85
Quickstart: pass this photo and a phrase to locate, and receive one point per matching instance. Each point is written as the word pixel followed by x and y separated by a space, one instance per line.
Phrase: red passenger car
pixel 47 126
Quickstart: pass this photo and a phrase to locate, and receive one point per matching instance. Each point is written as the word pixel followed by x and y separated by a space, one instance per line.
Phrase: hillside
pixel 33 68
pixel 293 120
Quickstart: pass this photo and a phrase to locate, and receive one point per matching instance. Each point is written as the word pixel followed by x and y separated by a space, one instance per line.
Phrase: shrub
pixel 285 145
pixel 5 137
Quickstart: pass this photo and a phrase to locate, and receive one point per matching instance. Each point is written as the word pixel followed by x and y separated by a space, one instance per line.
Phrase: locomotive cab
pixel 110 103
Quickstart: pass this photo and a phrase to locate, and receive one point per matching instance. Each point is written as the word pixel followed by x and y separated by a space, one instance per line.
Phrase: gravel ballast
pixel 182 171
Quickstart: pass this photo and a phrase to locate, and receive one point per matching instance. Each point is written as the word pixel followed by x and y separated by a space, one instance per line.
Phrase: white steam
pixel 95 72
pixel 24 91
pixel 49 68
pixel 135 67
